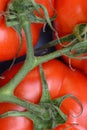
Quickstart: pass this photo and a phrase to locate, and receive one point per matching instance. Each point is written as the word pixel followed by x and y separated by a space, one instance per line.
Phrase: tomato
pixel 16 123
pixel 75 84
pixel 3 5
pixel 10 41
pixel 31 90
pixel 70 13
pixel 54 76
pixel 61 80
pixel 77 64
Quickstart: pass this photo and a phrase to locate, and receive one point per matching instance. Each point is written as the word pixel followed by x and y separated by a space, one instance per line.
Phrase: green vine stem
pixel 27 66
pixel 40 111
pixel 43 125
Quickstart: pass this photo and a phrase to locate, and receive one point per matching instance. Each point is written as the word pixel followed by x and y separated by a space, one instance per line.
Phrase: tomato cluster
pixel 10 47
pixel 60 78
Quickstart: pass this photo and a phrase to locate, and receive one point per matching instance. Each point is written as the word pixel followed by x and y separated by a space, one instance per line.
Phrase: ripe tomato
pixel 10 42
pixel 54 76
pixel 16 123
pixel 70 13
pixel 3 5
pixel 61 80
pixel 31 90
pixel 75 83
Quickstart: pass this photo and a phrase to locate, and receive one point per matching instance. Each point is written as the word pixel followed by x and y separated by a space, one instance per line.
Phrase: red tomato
pixel 16 123
pixel 31 90
pixel 54 76
pixel 9 40
pixel 75 83
pixel 70 13
pixel 77 64
pixel 3 5
pixel 61 80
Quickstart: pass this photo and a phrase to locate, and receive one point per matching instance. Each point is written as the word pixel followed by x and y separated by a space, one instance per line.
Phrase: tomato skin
pixel 61 80
pixel 10 42
pixel 16 123
pixel 54 78
pixel 70 13
pixel 75 83
pixel 77 64
pixel 3 5
pixel 31 90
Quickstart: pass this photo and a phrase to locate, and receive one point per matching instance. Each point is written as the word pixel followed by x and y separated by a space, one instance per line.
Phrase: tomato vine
pixel 46 113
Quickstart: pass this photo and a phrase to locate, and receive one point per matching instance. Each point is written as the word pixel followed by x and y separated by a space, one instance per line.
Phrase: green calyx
pixel 28 9
pixel 45 115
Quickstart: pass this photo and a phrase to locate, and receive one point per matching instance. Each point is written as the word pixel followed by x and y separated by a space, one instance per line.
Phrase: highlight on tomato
pixel 70 13
pixel 61 80
pixel 10 40
pixel 16 123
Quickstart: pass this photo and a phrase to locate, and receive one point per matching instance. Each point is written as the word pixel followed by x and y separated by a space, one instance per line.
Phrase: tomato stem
pixel 29 62
pixel 45 92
